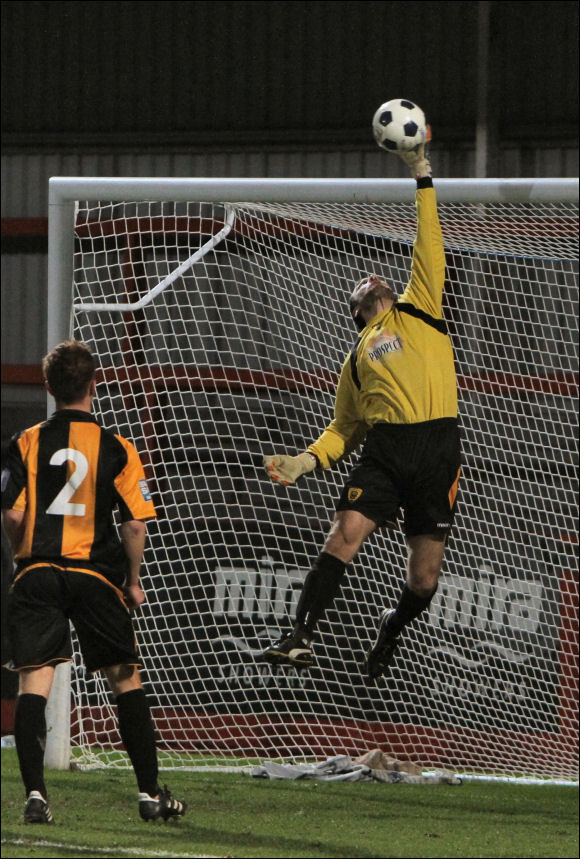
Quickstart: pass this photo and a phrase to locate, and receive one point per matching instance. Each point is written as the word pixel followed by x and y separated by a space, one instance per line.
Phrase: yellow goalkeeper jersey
pixel 401 368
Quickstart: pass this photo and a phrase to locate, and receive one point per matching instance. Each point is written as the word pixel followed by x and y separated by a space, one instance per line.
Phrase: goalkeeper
pixel 397 392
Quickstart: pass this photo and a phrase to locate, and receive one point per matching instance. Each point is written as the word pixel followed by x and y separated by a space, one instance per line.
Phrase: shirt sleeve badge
pixel 145 490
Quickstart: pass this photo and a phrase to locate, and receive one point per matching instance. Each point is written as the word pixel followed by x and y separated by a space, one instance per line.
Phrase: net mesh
pixel 239 357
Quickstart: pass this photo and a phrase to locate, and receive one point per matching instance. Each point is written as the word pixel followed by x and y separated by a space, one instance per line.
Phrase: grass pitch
pixel 237 816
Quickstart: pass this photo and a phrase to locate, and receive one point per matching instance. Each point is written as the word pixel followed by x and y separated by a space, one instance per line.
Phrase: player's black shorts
pixel 41 602
pixel 415 467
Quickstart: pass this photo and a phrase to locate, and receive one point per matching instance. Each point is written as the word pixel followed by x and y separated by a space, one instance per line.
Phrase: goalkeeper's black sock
pixel 138 736
pixel 409 607
pixel 320 588
pixel 30 736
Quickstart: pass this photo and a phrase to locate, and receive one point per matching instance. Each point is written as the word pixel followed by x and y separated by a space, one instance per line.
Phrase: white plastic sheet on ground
pixel 372 766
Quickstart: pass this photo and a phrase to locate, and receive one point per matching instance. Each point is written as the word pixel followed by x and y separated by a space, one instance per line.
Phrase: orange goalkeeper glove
pixel 287 469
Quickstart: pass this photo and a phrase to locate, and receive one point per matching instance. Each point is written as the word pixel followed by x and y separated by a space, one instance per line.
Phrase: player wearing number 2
pixel 397 392
pixel 62 481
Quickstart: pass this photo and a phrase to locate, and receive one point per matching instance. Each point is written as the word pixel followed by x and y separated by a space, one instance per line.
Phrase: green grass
pixel 237 816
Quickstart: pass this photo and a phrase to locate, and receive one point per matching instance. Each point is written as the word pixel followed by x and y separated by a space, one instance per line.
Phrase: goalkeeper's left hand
pixel 287 469
pixel 417 160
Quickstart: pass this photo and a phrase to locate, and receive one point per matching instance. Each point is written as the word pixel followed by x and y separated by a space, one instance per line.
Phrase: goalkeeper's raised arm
pixel 397 392
pixel 425 288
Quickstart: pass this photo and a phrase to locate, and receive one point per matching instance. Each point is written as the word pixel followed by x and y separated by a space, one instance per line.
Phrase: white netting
pixel 238 358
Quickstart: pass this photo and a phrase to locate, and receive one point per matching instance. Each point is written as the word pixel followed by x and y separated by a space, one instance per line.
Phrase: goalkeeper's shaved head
pixel 68 370
pixel 367 297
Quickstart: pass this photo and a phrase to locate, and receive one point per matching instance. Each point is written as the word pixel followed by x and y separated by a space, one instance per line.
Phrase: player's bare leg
pixel 348 532
pixel 424 563
pixel 36 681
pixel 423 568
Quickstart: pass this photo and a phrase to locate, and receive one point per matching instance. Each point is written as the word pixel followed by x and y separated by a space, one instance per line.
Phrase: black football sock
pixel 320 588
pixel 138 736
pixel 30 736
pixel 409 607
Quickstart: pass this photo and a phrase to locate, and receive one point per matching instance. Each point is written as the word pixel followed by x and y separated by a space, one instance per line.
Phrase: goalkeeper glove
pixel 287 469
pixel 416 159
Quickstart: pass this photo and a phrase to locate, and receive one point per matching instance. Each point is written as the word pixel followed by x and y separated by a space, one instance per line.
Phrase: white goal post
pixel 217 309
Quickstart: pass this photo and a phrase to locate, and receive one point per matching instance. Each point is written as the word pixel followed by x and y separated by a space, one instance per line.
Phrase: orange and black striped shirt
pixel 68 475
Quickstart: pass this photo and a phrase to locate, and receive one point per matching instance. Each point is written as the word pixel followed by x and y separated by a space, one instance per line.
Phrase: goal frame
pixel 64 192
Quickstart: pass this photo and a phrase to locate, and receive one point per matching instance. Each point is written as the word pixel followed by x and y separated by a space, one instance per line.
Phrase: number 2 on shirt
pixel 62 506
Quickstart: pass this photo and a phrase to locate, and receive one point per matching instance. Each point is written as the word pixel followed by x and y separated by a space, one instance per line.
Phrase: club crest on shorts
pixel 354 494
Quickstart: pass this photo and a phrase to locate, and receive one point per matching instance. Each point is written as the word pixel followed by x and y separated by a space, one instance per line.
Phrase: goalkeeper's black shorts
pixel 45 597
pixel 413 467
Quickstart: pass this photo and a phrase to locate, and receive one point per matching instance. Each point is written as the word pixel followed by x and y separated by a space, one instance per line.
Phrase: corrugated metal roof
pixel 25 174
pixel 23 308
pixel 235 71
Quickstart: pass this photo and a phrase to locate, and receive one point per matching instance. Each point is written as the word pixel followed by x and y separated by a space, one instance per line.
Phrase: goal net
pixel 220 328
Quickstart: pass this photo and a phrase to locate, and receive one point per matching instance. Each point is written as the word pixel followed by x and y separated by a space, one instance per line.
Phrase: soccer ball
pixel 399 125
